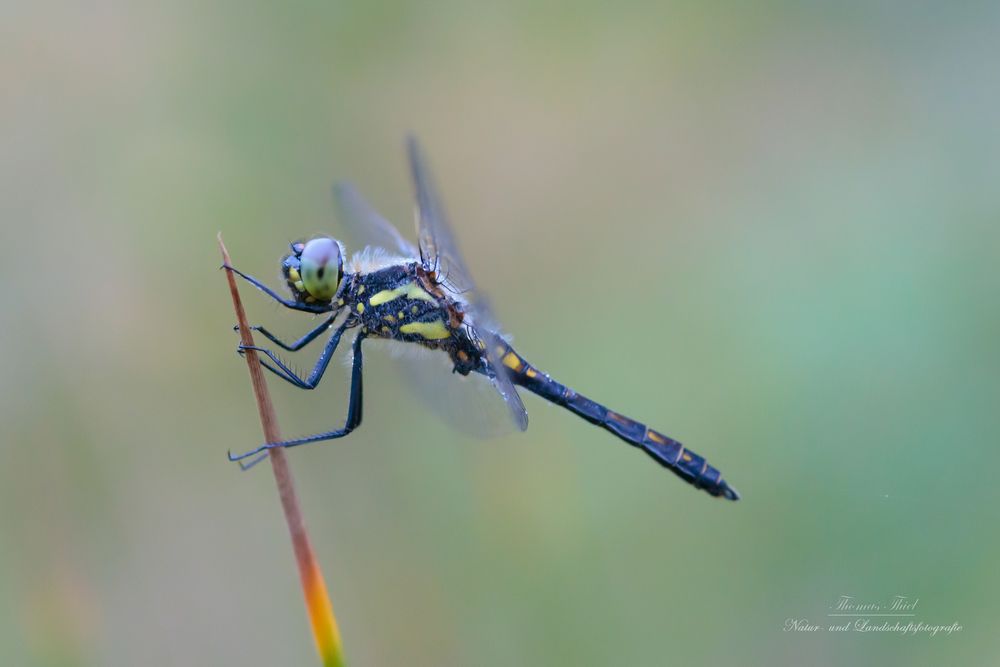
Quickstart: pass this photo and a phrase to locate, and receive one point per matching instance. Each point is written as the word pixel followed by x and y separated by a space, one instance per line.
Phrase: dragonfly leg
pixel 354 412
pixel 246 466
pixel 297 345
pixel 287 303
pixel 282 370
pixel 288 375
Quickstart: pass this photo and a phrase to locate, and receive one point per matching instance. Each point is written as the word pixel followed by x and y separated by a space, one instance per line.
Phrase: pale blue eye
pixel 321 267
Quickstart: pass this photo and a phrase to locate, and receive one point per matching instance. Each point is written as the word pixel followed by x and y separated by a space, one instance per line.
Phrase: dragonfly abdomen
pixel 666 451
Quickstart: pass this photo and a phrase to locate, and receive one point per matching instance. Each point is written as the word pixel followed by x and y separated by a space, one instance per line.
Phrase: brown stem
pixel 324 624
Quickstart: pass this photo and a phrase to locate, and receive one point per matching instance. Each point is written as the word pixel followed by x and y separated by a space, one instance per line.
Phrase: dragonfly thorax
pixel 399 303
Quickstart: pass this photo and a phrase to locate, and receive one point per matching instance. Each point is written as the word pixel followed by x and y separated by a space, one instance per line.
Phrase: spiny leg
pixel 354 413
pixel 287 303
pixel 297 345
pixel 282 370
pixel 290 376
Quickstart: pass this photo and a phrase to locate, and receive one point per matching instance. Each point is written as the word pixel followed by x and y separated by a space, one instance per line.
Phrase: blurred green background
pixel 768 229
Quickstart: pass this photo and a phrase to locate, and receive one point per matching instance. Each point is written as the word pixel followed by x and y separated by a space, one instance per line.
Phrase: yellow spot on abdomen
pixel 531 372
pixel 512 361
pixel 435 330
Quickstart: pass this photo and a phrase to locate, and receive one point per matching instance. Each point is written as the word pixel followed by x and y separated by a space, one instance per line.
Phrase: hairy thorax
pixel 405 303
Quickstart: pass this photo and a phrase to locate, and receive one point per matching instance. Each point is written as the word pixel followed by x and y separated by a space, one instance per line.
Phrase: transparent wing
pixel 438 249
pixel 365 226
pixel 468 404
pixel 439 253
pixel 502 382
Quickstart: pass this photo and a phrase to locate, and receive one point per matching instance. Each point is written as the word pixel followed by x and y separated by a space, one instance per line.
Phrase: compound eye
pixel 321 267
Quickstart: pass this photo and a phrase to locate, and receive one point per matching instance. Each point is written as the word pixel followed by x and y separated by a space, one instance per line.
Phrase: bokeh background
pixel 768 229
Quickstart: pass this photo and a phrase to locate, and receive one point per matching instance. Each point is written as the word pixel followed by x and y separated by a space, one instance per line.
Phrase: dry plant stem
pixel 324 624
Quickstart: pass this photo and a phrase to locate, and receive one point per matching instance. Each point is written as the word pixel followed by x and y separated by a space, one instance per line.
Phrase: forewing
pixel 365 226
pixel 438 249
pixel 439 252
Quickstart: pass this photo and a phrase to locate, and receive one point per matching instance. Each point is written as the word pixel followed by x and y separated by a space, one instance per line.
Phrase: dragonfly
pixel 424 296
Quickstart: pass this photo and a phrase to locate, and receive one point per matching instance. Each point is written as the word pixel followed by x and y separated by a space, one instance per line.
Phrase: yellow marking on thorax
pixel 512 361
pixel 435 330
pixel 409 290
pixel 361 307
pixel 361 290
pixel 293 274
pixel 389 318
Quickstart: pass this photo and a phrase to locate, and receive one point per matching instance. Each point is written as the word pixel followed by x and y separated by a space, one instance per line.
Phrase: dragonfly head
pixel 314 269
